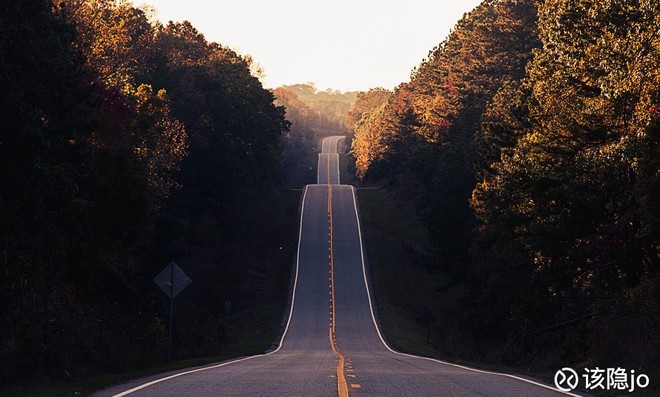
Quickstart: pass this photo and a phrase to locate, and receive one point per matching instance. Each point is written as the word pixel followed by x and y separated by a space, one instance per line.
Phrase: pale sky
pixel 349 45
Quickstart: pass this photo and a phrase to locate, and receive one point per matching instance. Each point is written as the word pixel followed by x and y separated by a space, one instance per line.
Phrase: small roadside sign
pixel 172 280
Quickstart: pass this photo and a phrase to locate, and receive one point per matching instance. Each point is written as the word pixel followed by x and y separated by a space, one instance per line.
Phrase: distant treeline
pixel 313 114
pixel 529 141
pixel 124 142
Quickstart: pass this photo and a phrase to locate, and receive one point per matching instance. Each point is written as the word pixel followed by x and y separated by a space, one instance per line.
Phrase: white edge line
pixel 318 166
pixel 337 150
pixel 286 329
pixel 373 318
pixel 338 176
pixel 336 139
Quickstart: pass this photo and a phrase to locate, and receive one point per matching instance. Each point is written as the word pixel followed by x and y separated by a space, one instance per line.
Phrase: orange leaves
pixel 162 141
pixel 366 120
pixel 654 111
pixel 370 139
pixel 597 68
pixel 365 102
pixel 569 183
pixel 435 113
pixel 118 44
pixel 114 37
pixel 449 91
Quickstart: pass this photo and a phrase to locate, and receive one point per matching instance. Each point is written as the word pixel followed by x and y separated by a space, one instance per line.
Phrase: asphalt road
pixel 331 345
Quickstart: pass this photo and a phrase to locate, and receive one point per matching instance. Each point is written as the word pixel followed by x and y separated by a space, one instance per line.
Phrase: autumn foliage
pixel 531 133
pixel 312 114
pixel 121 139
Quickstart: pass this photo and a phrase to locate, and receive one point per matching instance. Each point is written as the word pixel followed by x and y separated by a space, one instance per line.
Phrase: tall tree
pixel 566 199
pixel 97 155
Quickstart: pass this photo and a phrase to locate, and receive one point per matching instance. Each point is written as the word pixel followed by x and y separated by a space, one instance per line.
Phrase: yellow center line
pixel 342 385
pixel 328 167
pixel 332 259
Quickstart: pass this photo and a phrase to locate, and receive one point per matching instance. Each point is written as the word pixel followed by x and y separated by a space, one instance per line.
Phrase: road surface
pixel 331 345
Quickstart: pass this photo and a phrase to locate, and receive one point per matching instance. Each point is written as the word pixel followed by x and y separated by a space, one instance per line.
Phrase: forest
pixel 313 114
pixel 126 144
pixel 528 142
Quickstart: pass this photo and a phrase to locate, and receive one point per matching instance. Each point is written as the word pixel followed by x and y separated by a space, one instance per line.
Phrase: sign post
pixel 172 280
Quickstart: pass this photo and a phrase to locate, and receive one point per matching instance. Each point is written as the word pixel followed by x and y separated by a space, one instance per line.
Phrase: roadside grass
pixel 415 315
pixel 262 323
pixel 303 172
pixel 406 294
pixel 345 176
pixel 256 326
pixel 405 287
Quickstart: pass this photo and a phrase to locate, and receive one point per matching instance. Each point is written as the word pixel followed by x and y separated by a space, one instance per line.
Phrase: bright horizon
pixel 345 45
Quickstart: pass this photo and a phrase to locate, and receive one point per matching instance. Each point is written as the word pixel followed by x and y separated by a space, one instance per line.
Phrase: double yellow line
pixel 342 385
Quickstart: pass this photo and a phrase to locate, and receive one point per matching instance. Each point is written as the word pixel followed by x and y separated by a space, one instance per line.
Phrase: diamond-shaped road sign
pixel 172 280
